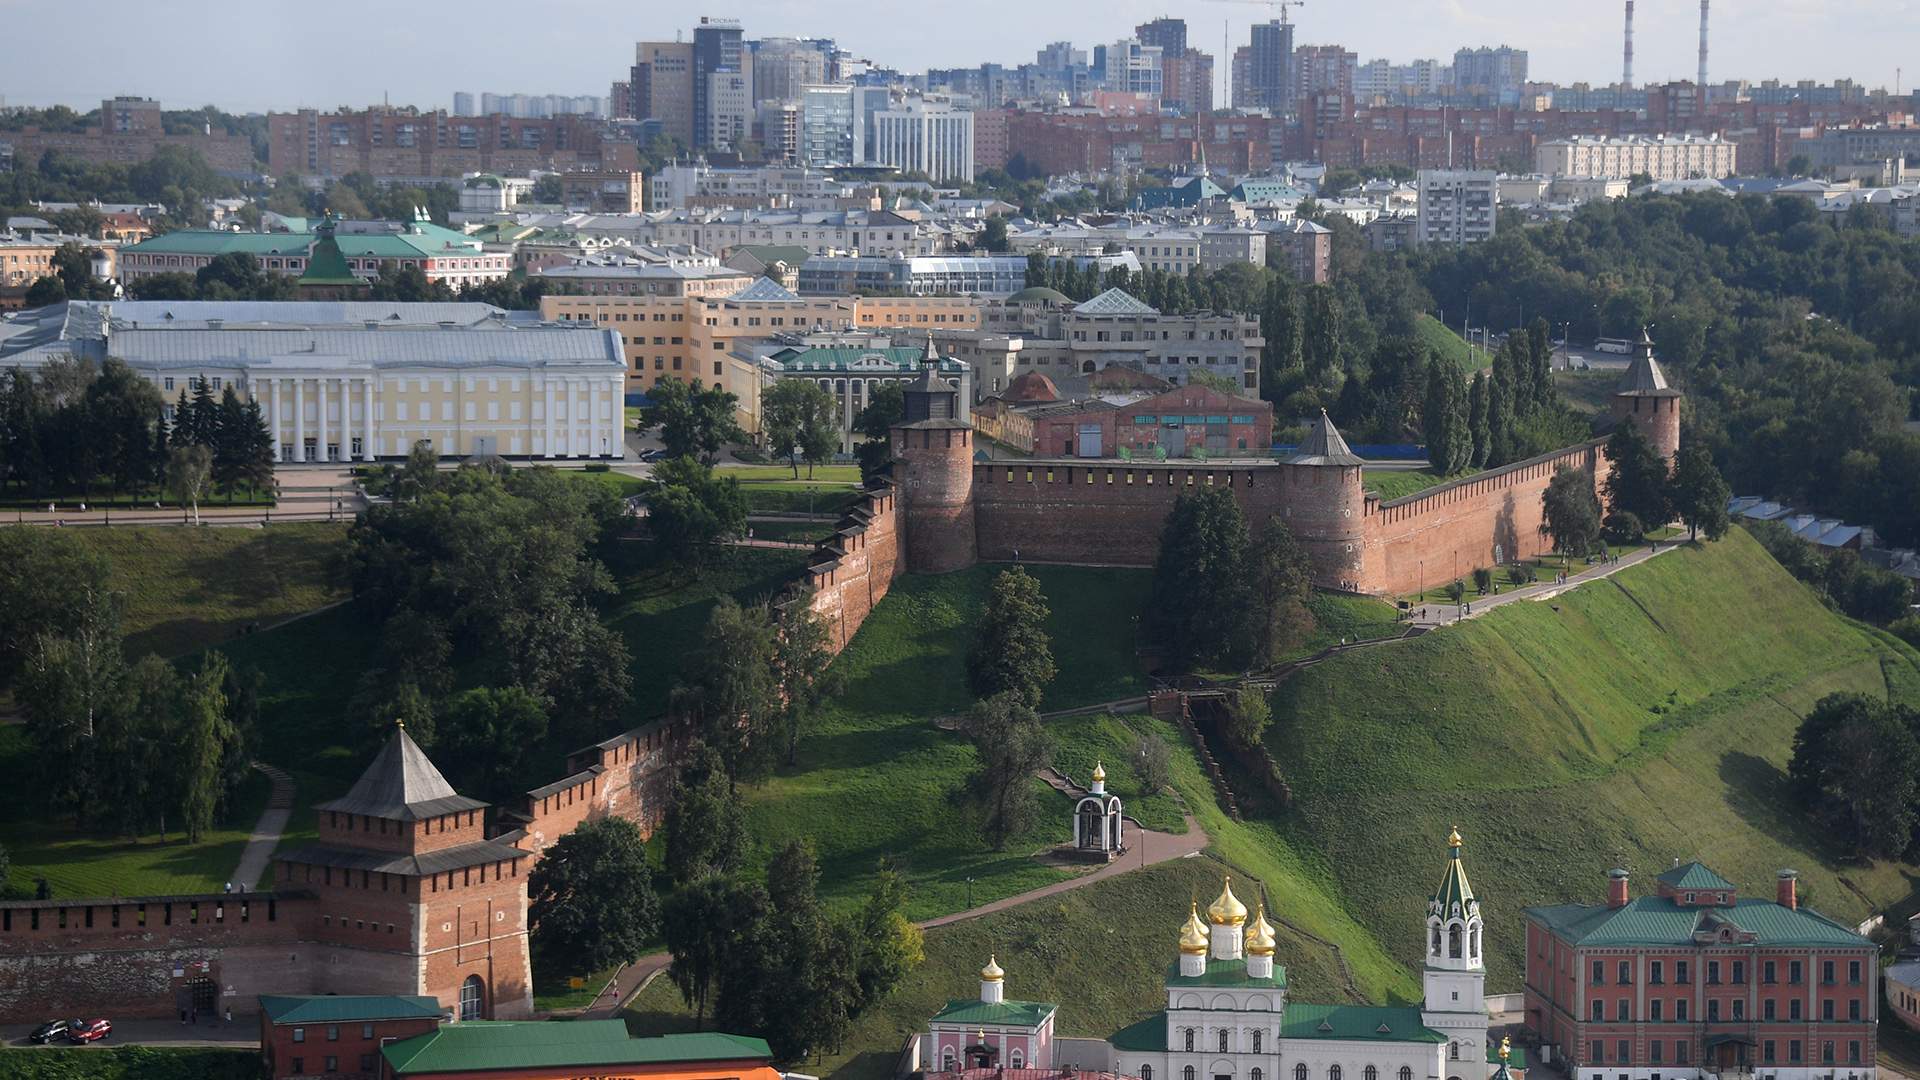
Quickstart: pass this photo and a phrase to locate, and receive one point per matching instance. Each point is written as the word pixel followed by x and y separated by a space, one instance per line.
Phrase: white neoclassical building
pixel 357 381
pixel 1228 1015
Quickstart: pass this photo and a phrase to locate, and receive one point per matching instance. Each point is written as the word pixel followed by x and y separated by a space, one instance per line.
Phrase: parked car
pixel 49 1031
pixel 86 1031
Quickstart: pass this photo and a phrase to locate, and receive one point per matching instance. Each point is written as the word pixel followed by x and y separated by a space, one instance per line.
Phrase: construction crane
pixel 1283 5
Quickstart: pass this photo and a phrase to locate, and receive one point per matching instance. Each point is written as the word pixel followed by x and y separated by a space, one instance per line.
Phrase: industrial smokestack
pixel 1703 51
pixel 1626 64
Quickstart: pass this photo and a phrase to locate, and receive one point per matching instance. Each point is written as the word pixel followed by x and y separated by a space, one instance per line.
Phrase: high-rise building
pixel 1499 73
pixel 462 103
pixel 1060 56
pixel 1456 206
pixel 1128 67
pixel 1321 69
pixel 1187 81
pixel 827 126
pixel 781 66
pixel 661 87
pixel 729 109
pixel 717 46
pixel 1166 32
pixel 1270 80
pixel 931 137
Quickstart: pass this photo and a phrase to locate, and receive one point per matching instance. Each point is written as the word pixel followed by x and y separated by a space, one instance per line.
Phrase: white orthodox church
pixel 1228 1016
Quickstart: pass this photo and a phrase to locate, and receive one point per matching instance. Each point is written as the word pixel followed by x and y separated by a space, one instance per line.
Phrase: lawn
pixel 623 484
pixel 1447 344
pixel 1391 484
pixel 1588 391
pixel 1099 953
pixel 189 589
pixel 1630 722
pixel 847 475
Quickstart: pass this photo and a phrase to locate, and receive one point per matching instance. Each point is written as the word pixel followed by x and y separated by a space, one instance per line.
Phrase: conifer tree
pixel 206 414
pixel 1477 420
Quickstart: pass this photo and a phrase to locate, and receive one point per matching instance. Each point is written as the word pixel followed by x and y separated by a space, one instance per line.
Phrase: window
pixel 299 1035
pixel 1793 1050
pixel 1768 972
pixel 1826 971
pixel 333 1064
pixel 1333 1072
pixel 1793 1009
pixel 1223 1043
pixel 1680 1009
pixel 1146 1072
pixel 1680 1053
pixel 1713 973
pixel 1598 1009
pixel 1406 1072
pixel 1186 1073
pixel 1793 971
pixel 1713 1010
pixel 1255 1074
pixel 1853 972
pixel 1300 1071
pixel 1656 972
pixel 1653 1051
pixel 1017 1059
pixel 1622 1050
pixel 1826 1052
pixel 1626 973
pixel 1853 1009
pixel 1189 1040
pixel 1767 1051
pixel 1453 1051
pixel 1853 1053
pixel 1653 1010
pixel 1739 1009
pixel 1739 972
pixel 1766 1009
pixel 333 1032
pixel 1826 1009
pixel 1599 972
pixel 1620 1010
pixel 1680 971
pixel 1371 1073
pixel 1256 1041
pixel 366 1031
pixel 472 998
pixel 1599 1051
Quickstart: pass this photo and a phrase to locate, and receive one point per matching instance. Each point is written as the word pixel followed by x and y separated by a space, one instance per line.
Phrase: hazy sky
pixel 277 54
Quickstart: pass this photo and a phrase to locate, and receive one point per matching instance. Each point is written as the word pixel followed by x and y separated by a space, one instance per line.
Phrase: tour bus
pixel 1613 345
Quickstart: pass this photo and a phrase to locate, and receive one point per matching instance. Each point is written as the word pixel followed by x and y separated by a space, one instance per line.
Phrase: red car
pixel 86 1031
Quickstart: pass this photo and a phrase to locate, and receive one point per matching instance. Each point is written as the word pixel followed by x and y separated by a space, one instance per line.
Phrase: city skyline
pixel 579 46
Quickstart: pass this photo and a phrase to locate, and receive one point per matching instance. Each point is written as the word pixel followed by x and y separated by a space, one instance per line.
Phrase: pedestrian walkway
pixel 1442 614
pixel 266 831
pixel 1149 848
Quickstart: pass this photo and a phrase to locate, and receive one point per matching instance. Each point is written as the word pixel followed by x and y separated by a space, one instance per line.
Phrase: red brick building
pixel 411 895
pixel 1180 420
pixel 338 1035
pixel 1698 978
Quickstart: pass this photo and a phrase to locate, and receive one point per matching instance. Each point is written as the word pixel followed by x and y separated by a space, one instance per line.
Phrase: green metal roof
pixel 1657 920
pixel 1695 876
pixel 1374 1023
pixel 423 239
pixel 1225 973
pixel 1454 898
pixel 835 358
pixel 528 1044
pixel 1516 1057
pixel 341 1008
pixel 327 266
pixel 768 254
pixel 1147 1035
pixel 1008 1013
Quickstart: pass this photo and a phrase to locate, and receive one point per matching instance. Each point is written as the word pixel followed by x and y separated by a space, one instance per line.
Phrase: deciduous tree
pixel 1699 494
pixel 1012 652
pixel 1012 745
pixel 1570 514
pixel 591 898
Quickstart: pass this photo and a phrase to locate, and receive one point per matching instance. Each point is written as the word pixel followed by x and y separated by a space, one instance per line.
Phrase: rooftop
pixel 1696 876
pixel 476 1045
pixel 1658 920
pixel 1227 973
pixel 400 784
pixel 1027 1014
pixel 344 1008
pixel 1324 446
pixel 1114 302
pixel 1369 1023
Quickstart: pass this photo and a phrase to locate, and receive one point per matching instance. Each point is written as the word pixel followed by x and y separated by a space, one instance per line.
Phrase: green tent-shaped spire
pixel 325 265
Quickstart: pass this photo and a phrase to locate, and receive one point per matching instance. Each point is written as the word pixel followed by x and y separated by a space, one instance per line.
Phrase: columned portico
pixel 275 397
pixel 366 419
pixel 299 419
pixel 321 444
pixel 551 450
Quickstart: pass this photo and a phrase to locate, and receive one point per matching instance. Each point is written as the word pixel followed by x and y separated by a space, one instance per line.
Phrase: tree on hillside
pixel 1200 601
pixel 202 738
pixel 1281 576
pixel 801 421
pixel 591 898
pixel 1444 418
pixel 731 690
pixel 885 407
pixel 886 946
pixel 1012 652
pixel 803 664
pixel 694 420
pixel 1478 421
pixel 1699 495
pixel 1570 514
pixel 188 469
pixel 1248 717
pixel 705 827
pixel 1856 771
pixel 1638 481
pixel 702 921
pixel 689 507
pixel 1012 745
pixel 486 736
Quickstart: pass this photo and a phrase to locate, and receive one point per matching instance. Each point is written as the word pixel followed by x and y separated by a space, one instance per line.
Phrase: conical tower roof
pixel 401 784
pixel 1644 377
pixel 1324 446
pixel 1454 898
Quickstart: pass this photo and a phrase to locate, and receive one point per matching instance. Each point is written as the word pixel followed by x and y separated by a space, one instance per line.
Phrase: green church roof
pixel 1147 1035
pixel 346 1008
pixel 1226 973
pixel 1372 1023
pixel 1454 898
pixel 1028 1014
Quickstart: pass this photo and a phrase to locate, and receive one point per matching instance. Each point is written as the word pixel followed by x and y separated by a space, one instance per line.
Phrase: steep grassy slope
pixel 1630 722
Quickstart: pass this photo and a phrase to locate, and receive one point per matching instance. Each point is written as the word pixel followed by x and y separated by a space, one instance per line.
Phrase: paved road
pixel 243 1033
pixel 1443 613
pixel 1148 848
pixel 266 831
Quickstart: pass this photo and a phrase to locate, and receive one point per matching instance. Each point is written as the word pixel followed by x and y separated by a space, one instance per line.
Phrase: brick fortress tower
pixel 1645 398
pixel 1324 505
pixel 933 469
pixel 410 894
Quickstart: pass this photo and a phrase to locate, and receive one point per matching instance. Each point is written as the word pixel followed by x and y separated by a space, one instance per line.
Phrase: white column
pixel 275 391
pixel 547 383
pixel 321 384
pixel 299 419
pixel 366 420
pixel 346 418
pixel 580 406
pixel 617 390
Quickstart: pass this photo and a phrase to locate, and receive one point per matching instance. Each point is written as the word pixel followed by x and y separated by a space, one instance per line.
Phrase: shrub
pixel 1483 580
pixel 1455 590
pixel 1908 630
pixel 598 466
pixel 1623 527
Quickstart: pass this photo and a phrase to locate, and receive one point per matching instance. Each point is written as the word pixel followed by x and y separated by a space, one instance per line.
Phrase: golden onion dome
pixel 1227 910
pixel 1260 935
pixel 1193 936
pixel 1453 838
pixel 1099 772
pixel 992 972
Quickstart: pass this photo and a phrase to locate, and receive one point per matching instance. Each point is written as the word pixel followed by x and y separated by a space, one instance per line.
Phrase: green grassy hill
pixel 1449 345
pixel 1630 722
